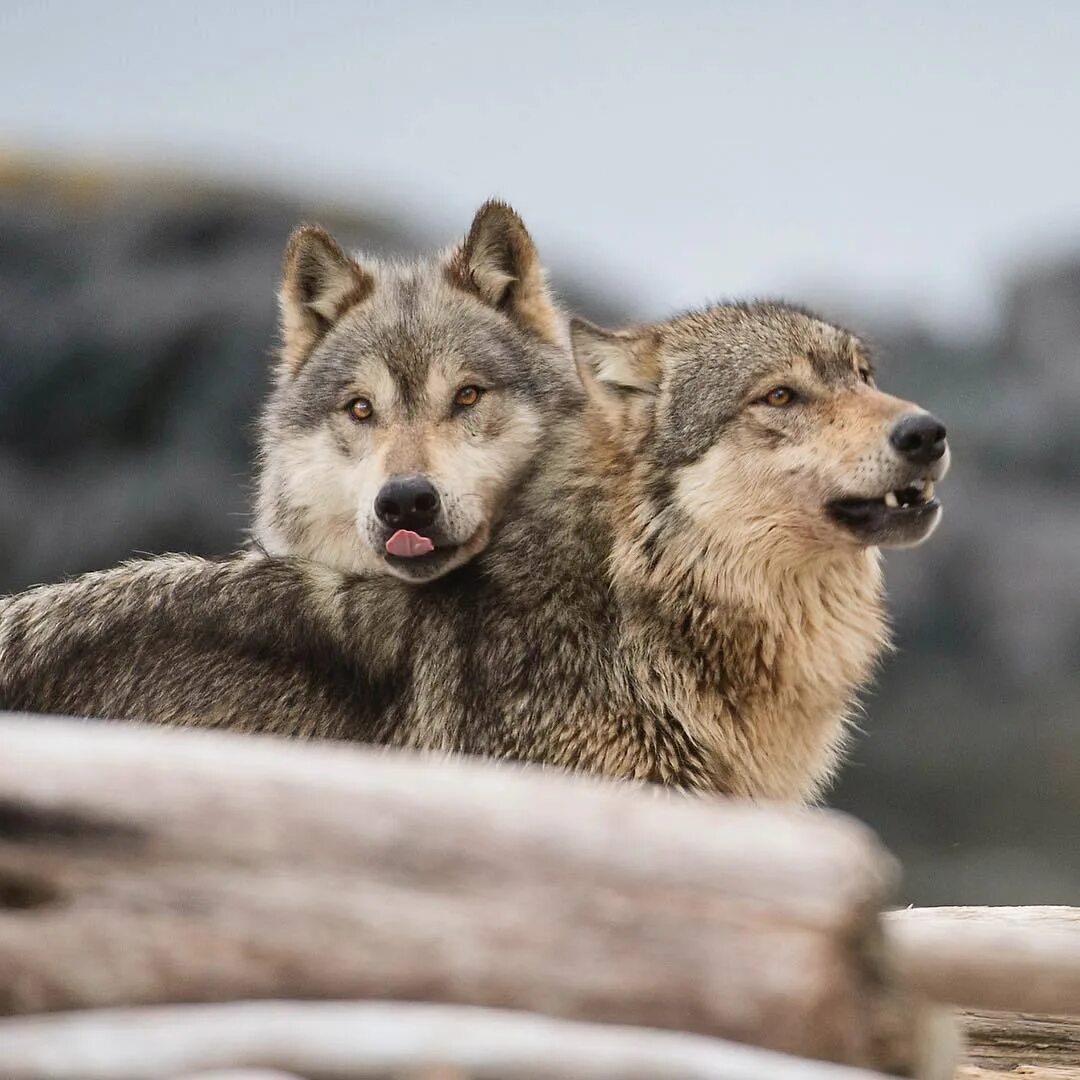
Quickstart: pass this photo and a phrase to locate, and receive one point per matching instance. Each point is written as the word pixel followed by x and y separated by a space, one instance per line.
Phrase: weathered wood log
pixel 338 1040
pixel 1020 1047
pixel 1018 959
pixel 142 866
pixel 277 1074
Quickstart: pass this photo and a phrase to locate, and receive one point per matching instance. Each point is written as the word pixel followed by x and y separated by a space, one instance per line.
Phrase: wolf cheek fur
pixel 407 396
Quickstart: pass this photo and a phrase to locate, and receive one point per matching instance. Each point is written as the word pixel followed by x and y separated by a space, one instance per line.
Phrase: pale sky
pixel 907 154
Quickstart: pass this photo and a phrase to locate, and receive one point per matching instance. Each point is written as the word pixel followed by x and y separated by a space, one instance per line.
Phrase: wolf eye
pixel 779 397
pixel 468 396
pixel 360 409
pixel 865 375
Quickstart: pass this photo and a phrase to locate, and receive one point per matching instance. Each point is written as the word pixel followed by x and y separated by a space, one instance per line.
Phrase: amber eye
pixel 779 396
pixel 468 396
pixel 360 409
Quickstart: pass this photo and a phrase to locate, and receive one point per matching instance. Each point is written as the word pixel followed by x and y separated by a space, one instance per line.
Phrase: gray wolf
pixel 408 399
pixel 685 588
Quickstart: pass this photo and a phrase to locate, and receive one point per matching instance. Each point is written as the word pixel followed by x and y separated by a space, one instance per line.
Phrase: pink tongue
pixel 407 545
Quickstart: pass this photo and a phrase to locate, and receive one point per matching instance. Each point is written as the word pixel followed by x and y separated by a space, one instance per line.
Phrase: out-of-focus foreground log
pixel 375 1041
pixel 142 866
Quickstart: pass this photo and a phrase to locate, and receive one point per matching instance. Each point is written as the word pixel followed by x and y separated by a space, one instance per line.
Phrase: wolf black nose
pixel 407 502
pixel 920 437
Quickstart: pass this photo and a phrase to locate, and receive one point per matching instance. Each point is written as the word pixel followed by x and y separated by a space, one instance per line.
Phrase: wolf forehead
pixel 736 344
pixel 712 358
pixel 419 331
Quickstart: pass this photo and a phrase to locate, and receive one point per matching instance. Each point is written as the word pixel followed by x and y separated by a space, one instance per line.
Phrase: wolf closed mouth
pixel 408 545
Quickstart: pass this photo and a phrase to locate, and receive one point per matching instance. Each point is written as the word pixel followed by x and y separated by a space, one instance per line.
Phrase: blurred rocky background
pixel 969 764
pixel 136 322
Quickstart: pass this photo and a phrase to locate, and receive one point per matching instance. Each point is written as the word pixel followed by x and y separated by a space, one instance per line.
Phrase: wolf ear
pixel 319 284
pixel 498 262
pixel 615 368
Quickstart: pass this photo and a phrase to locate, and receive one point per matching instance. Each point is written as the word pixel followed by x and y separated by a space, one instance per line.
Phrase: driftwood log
pixel 373 1041
pixel 1024 960
pixel 146 866
pixel 1016 972
pixel 1021 1047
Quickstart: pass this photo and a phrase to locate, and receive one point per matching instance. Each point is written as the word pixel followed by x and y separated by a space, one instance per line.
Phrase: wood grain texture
pixel 349 1041
pixel 142 866
pixel 1023 1072
pixel 1024 959
pixel 1022 1045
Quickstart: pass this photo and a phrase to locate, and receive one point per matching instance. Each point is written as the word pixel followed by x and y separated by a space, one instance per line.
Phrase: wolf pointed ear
pixel 499 263
pixel 319 284
pixel 615 368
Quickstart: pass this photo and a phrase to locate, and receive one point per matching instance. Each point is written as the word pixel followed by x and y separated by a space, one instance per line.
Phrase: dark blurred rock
pixel 970 765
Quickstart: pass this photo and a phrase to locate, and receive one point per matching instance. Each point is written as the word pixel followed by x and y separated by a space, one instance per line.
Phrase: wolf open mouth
pixel 903 510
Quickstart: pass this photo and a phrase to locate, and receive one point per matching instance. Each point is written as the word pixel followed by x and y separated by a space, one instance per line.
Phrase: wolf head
pixel 762 425
pixel 409 399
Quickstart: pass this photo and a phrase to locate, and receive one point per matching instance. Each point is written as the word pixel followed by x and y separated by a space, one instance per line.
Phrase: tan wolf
pixel 684 588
